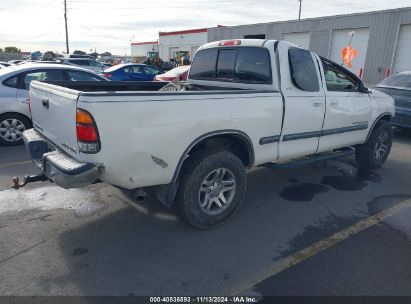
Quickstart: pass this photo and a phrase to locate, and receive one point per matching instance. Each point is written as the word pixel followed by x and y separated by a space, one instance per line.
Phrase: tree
pixel 12 49
pixel 1 50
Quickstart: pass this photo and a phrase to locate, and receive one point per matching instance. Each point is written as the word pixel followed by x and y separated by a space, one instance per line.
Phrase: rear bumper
pixel 59 167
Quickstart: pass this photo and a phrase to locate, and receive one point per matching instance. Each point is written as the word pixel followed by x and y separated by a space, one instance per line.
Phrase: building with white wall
pixel 139 50
pixel 382 39
pixel 186 40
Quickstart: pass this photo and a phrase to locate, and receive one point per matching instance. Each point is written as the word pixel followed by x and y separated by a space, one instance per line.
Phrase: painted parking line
pixel 318 247
pixel 16 163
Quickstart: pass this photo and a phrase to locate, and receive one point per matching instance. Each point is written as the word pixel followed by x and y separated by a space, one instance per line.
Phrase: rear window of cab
pixel 241 64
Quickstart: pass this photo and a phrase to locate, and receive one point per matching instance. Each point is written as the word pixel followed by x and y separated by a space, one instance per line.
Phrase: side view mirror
pixel 363 88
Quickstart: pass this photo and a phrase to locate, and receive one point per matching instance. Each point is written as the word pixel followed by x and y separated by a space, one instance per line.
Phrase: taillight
pixel 229 42
pixel 167 78
pixel 87 134
pixel 107 75
pixel 183 77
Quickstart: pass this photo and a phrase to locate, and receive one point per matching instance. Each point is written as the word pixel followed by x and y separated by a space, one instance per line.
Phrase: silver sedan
pixel 14 85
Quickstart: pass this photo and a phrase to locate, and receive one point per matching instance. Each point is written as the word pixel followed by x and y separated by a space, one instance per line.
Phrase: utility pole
pixel 299 12
pixel 65 21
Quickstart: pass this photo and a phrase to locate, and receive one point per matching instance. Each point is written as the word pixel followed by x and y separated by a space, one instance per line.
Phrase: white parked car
pixel 14 88
pixel 247 103
pixel 85 63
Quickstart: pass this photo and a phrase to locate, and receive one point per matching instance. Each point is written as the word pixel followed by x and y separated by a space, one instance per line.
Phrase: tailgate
pixel 53 111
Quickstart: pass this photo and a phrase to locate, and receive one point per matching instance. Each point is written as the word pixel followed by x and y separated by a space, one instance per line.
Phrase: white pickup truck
pixel 246 103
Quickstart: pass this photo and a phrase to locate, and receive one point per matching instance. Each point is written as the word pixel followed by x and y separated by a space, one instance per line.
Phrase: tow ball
pixel 27 179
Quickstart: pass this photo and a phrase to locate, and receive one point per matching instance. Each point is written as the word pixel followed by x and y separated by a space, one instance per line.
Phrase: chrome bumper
pixel 59 167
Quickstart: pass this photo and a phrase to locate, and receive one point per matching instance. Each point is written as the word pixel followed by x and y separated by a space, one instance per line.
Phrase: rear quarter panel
pixel 134 128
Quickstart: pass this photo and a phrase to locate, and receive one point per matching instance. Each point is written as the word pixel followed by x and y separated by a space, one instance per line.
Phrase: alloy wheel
pixel 11 129
pixel 217 191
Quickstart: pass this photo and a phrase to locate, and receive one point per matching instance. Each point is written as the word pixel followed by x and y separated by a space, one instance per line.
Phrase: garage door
pixel 300 39
pixel 402 59
pixel 341 38
pixel 173 52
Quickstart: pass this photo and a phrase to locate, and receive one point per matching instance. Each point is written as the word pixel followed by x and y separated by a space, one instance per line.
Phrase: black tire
pixel 366 154
pixel 22 121
pixel 196 169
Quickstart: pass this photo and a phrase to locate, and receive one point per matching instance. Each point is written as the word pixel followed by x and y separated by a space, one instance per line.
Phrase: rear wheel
pixel 375 151
pixel 213 186
pixel 12 126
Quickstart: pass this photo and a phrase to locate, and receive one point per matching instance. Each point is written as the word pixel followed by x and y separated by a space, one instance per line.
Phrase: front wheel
pixel 375 151
pixel 213 186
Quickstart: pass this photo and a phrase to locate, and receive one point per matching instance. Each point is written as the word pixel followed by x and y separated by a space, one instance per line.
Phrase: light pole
pixel 65 23
pixel 299 12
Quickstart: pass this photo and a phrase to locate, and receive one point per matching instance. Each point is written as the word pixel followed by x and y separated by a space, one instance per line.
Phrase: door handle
pixel 317 104
pixel 333 104
pixel 26 101
pixel 45 103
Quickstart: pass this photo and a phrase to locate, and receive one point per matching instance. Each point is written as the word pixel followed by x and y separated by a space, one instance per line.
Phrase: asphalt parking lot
pixel 325 229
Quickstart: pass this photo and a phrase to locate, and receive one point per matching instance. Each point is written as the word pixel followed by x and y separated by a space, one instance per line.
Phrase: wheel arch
pixel 384 116
pixel 15 113
pixel 238 138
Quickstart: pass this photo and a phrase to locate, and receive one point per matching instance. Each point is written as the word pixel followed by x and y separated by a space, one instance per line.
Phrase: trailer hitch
pixel 27 179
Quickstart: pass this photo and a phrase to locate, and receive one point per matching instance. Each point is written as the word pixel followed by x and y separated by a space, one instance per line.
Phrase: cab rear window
pixel 204 64
pixel 243 64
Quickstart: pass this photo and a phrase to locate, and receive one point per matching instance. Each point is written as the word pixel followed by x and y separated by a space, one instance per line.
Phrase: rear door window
pixel 133 69
pixel 42 75
pixel 303 70
pixel 151 71
pixel 204 64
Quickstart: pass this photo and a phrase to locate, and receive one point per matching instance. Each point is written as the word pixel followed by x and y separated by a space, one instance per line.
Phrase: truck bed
pixel 133 125
pixel 131 86
pixel 104 86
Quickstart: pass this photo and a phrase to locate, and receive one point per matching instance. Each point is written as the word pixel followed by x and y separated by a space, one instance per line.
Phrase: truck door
pixel 348 110
pixel 304 102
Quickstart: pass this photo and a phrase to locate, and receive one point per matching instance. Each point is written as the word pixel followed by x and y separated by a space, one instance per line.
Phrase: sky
pixel 110 25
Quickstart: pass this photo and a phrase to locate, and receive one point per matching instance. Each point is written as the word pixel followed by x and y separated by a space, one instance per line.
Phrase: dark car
pixel 399 87
pixel 131 72
pixel 6 64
